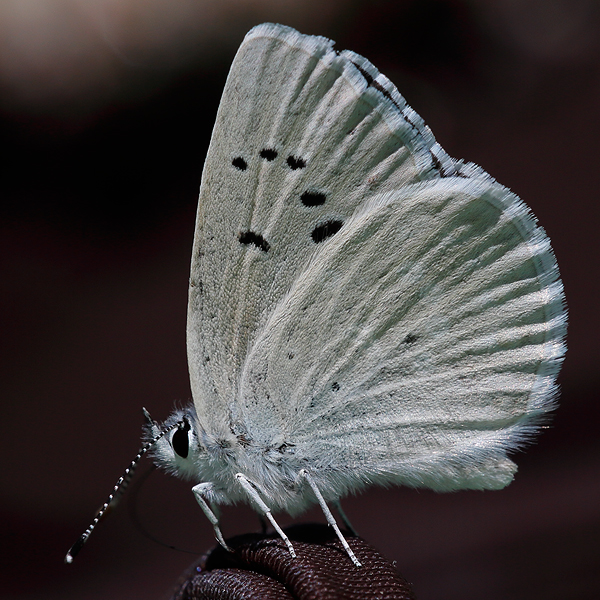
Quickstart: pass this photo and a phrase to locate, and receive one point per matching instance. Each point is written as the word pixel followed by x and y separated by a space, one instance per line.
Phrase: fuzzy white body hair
pixel 361 306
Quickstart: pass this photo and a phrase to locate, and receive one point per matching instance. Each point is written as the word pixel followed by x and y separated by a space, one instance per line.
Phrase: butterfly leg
pixel 346 521
pixel 328 516
pixel 200 491
pixel 266 511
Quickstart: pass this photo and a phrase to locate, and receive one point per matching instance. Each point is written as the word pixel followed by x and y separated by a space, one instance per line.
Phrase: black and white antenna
pixel 119 487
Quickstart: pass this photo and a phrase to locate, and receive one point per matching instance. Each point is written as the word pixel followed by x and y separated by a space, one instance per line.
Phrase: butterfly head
pixel 180 451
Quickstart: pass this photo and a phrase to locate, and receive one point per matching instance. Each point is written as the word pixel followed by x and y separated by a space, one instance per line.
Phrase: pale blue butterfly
pixel 363 309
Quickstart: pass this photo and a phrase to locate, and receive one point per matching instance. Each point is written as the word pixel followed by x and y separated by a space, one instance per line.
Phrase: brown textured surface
pixel 261 567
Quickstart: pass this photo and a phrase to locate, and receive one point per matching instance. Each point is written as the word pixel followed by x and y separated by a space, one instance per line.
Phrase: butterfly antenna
pixel 119 487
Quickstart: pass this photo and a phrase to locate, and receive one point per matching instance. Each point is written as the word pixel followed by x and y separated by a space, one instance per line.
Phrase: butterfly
pixel 363 308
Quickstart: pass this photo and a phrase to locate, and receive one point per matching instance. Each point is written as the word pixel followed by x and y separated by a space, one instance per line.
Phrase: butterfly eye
pixel 181 442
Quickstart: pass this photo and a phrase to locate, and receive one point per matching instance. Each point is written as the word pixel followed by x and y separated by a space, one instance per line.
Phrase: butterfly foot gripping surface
pixel 264 509
pixel 200 491
pixel 330 519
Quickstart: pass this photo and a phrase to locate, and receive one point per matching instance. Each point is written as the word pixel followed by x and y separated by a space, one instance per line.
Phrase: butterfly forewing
pixel 301 139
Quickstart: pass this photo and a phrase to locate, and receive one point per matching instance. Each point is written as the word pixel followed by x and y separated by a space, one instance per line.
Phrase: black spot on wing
pixel 268 154
pixel 325 230
pixel 313 198
pixel 295 162
pixel 411 338
pixel 239 163
pixel 250 237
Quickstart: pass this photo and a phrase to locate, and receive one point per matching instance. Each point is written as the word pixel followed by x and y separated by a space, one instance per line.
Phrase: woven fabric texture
pixel 261 568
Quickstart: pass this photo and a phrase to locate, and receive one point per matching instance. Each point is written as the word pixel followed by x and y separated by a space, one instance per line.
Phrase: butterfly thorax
pixel 218 458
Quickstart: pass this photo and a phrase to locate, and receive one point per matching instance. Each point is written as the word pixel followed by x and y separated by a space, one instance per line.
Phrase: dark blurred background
pixel 106 110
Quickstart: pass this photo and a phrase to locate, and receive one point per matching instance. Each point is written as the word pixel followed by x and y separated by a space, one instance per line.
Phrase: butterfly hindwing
pixel 421 346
